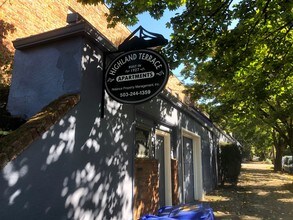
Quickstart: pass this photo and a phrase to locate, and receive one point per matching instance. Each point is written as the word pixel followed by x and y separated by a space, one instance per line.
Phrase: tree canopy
pixel 239 54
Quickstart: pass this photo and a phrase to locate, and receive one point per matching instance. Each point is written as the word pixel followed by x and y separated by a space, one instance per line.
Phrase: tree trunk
pixel 279 146
pixel 278 159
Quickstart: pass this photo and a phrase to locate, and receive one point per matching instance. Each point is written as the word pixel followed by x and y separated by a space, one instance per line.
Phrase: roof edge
pixel 82 28
pixel 15 143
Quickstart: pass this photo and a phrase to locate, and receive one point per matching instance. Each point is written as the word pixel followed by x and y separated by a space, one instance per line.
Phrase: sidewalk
pixel 260 194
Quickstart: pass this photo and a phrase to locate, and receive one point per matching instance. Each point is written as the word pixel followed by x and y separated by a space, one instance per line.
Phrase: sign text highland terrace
pixel 133 57
pixel 136 76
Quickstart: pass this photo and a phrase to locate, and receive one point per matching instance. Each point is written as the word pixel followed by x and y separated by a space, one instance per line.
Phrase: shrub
pixel 230 163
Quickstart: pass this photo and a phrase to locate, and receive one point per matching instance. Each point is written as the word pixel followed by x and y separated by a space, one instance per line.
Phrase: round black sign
pixel 136 76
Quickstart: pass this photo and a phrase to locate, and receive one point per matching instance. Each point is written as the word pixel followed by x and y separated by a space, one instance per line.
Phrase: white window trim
pixel 167 168
pixel 197 163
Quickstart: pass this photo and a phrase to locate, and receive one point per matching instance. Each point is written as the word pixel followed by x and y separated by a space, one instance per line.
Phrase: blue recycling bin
pixel 185 211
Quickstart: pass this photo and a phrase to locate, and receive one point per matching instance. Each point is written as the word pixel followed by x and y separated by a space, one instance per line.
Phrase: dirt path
pixel 260 194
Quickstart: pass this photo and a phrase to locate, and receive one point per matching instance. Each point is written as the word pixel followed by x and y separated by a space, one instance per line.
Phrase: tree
pixel 255 136
pixel 239 54
pixel 126 11
pixel 249 71
pixel 6 58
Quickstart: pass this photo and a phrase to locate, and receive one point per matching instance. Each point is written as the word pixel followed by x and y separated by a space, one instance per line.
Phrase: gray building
pixel 84 165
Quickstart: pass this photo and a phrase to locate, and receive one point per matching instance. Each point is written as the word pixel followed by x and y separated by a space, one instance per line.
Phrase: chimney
pixel 73 17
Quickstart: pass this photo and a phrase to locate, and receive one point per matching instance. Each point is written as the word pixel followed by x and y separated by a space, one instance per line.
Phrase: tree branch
pixel 264 11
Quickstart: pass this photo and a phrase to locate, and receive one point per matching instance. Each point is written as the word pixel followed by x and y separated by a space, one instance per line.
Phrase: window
pixel 143 143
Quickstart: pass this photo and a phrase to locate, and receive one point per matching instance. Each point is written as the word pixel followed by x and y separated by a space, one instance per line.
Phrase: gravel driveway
pixel 260 194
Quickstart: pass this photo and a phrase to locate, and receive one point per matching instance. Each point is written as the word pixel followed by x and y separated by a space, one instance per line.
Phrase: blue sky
pixel 156 26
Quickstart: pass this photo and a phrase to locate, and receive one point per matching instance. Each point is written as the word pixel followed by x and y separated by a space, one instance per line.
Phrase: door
pixel 159 155
pixel 188 180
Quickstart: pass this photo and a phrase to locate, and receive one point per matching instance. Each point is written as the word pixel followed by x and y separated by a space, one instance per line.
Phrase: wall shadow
pixel 164 110
pixel 81 168
pixel 60 177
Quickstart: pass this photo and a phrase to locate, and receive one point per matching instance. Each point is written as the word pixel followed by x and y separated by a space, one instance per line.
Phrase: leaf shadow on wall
pixel 81 168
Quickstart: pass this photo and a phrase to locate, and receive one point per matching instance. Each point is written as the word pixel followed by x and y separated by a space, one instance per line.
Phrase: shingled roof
pixel 13 144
